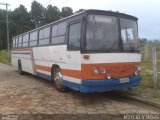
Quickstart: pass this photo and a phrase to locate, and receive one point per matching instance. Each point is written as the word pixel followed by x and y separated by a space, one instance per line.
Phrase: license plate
pixel 124 80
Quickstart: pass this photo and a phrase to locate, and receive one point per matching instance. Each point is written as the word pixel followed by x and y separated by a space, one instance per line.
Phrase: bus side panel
pixel 26 61
pixel 41 58
pixel 68 61
pixel 14 60
pixel 27 64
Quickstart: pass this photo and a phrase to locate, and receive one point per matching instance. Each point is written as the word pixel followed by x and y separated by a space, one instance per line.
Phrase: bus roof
pixel 90 11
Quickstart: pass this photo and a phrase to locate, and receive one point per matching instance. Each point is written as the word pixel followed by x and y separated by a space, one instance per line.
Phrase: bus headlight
pixel 109 76
pixel 102 71
pixel 95 71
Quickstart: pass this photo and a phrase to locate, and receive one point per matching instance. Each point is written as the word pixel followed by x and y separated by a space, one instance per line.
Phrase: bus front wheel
pixel 57 78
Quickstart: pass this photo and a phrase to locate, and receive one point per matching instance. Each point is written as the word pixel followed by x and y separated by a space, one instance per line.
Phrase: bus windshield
pixel 102 34
pixel 129 34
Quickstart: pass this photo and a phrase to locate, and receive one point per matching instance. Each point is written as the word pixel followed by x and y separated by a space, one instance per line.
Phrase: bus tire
pixel 20 67
pixel 57 78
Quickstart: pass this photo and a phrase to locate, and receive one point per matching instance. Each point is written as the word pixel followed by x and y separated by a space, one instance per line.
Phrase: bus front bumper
pixel 103 85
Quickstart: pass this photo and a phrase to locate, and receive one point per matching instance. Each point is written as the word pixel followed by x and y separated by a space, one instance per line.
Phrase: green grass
pixel 4 57
pixel 147 67
pixel 156 96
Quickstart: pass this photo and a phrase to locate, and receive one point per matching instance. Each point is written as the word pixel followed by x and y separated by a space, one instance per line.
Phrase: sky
pixel 147 11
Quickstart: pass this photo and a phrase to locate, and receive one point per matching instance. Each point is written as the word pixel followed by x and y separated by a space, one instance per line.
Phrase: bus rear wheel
pixel 57 78
pixel 20 67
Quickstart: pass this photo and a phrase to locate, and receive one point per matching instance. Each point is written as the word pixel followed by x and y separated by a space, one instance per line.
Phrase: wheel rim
pixel 58 78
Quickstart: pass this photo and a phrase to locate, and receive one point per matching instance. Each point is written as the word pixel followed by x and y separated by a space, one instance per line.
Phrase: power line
pixel 56 4
pixel 62 2
pixel 47 2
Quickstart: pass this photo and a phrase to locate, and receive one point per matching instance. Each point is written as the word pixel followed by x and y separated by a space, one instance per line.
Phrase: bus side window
pixel 54 34
pixel 74 36
pixel 55 31
pixel 44 35
pixel 33 38
pixel 16 43
pixel 13 43
pixel 58 33
pixel 25 40
pixel 20 41
pixel 62 28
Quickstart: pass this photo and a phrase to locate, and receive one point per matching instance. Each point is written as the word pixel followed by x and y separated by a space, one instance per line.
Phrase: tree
pixel 37 13
pixel 52 14
pixel 66 11
pixel 20 19
pixel 3 39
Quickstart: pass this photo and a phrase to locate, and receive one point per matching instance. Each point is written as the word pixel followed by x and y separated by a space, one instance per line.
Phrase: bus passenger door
pixel 73 48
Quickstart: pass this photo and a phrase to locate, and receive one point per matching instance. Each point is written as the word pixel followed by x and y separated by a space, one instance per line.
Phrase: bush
pixel 4 57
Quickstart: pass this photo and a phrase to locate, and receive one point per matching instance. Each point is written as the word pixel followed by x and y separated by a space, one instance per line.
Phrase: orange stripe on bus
pixel 65 72
pixel 72 73
pixel 117 70
pixel 43 68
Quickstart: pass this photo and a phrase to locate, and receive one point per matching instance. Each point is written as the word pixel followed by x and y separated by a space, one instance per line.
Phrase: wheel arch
pixel 59 85
pixel 54 66
pixel 19 61
pixel 20 69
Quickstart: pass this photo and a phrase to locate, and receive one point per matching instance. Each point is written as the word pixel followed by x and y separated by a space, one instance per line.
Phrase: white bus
pixel 92 51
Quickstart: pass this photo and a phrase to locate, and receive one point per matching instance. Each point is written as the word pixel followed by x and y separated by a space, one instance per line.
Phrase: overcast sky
pixel 146 10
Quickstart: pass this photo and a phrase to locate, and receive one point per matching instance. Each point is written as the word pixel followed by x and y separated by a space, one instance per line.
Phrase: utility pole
pixel 7 27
